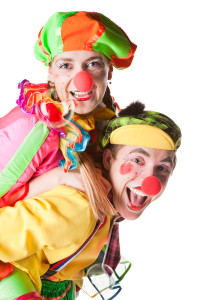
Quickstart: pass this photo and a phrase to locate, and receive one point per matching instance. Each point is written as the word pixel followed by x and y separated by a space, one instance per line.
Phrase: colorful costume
pixel 64 31
pixel 63 211
pixel 66 213
pixel 37 147
pixel 34 146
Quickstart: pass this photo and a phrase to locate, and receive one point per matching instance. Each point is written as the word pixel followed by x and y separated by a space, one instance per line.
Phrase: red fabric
pixel 10 198
pixel 126 61
pixel 113 249
pixel 29 296
pixel 40 43
pixel 5 269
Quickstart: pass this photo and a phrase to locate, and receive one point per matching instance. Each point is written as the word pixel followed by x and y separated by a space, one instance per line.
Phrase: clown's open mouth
pixel 136 198
pixel 82 96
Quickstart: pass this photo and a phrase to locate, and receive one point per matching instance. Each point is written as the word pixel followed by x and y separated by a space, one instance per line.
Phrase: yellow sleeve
pixel 60 218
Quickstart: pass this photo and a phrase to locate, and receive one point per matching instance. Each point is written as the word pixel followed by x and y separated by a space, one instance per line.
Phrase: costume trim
pixel 21 159
pixel 29 296
pixel 61 296
pixel 57 267
pixel 69 147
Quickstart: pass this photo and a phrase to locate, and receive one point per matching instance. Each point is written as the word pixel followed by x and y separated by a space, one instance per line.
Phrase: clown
pixel 69 43
pixel 80 50
pixel 139 154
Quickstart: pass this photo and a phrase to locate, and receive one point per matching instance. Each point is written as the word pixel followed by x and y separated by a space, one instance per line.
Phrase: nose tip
pixel 151 186
pixel 83 81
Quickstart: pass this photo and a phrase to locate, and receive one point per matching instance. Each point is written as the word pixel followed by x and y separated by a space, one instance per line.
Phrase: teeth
pixel 137 192
pixel 81 94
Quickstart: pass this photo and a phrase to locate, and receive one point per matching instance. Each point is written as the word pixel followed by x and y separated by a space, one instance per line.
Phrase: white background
pixel 163 244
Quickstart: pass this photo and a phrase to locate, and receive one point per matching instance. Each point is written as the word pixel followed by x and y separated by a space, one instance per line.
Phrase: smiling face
pixel 128 169
pixel 66 65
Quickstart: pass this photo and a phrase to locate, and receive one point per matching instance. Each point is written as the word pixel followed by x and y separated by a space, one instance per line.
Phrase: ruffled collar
pixel 32 95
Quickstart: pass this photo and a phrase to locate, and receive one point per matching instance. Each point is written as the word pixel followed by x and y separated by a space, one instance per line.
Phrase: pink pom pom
pixel 83 81
pixel 151 186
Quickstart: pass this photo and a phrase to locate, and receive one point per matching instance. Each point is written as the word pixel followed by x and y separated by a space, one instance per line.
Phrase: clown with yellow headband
pixel 80 50
pixel 139 155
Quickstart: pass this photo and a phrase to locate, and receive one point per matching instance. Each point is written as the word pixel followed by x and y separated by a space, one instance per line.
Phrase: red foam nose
pixel 83 81
pixel 151 186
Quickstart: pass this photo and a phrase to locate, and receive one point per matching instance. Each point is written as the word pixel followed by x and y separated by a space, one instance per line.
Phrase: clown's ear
pixel 107 159
pixel 50 74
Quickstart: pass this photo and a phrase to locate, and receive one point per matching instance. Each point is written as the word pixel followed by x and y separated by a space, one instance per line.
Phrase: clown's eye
pixel 64 65
pixel 97 63
pixel 163 169
pixel 138 160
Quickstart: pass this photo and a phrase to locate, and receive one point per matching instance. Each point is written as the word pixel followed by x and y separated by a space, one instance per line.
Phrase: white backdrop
pixel 163 244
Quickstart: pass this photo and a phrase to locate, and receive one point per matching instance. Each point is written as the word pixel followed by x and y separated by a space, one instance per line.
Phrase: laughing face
pixel 128 169
pixel 67 64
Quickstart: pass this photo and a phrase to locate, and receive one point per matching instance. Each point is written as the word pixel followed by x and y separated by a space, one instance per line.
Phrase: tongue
pixel 83 81
pixel 136 199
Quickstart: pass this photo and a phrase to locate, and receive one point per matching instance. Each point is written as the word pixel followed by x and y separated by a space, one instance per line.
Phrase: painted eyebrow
pixel 141 150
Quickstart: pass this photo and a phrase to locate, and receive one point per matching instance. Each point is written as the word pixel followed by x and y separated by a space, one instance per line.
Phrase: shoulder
pixel 16 118
pixel 68 211
pixel 14 127
pixel 68 202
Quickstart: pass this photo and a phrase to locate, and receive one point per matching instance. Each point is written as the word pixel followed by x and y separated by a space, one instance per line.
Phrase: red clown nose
pixel 83 81
pixel 151 186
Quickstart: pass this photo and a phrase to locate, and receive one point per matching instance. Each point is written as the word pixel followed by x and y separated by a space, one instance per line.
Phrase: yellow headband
pixel 142 135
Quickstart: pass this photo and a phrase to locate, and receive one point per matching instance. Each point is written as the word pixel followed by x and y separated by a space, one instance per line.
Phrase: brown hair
pixel 108 100
pixel 95 189
pixel 52 91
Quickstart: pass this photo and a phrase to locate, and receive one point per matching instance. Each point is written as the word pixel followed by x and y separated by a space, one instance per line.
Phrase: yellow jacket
pixel 47 228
